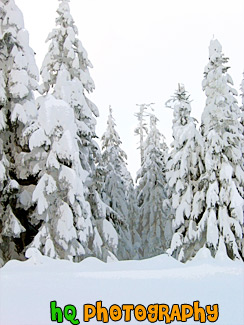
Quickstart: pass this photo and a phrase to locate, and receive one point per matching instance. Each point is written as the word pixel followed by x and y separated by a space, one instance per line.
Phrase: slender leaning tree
pixel 18 80
pixel 184 168
pixel 142 129
pixel 220 226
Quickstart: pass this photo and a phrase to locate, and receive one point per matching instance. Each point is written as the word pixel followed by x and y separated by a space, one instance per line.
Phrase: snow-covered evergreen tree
pixel 184 168
pixel 18 79
pixel 154 226
pixel 220 226
pixel 66 78
pixel 116 187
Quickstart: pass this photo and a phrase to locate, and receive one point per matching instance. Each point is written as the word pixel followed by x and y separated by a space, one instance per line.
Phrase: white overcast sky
pixel 141 50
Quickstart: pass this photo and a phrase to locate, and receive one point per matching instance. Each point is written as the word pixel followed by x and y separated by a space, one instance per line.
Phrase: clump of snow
pixel 34 255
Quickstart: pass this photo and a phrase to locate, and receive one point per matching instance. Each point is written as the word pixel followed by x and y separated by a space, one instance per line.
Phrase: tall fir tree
pixel 116 187
pixel 66 79
pixel 18 80
pixel 184 168
pixel 220 225
pixel 154 226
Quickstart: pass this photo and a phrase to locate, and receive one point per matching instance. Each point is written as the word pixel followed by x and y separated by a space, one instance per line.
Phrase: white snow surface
pixel 28 287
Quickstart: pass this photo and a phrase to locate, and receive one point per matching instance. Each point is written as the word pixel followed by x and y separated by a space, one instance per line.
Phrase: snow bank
pixel 27 288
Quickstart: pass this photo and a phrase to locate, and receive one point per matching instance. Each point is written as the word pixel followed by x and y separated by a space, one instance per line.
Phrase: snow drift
pixel 27 288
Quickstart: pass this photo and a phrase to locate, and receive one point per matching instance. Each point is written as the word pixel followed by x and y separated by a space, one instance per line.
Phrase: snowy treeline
pixel 62 194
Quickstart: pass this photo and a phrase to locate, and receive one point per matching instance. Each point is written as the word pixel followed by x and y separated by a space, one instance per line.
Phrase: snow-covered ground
pixel 27 288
